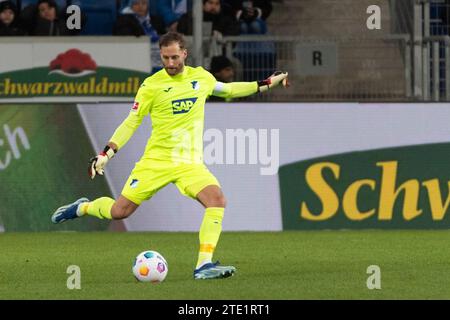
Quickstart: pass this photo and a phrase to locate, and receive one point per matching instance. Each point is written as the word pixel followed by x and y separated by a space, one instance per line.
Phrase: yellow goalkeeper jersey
pixel 176 107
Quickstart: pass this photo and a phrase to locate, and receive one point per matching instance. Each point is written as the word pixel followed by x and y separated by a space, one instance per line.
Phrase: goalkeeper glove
pixel 97 163
pixel 275 79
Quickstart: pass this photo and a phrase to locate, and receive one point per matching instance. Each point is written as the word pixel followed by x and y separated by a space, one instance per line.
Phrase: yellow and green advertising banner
pixel 392 188
pixel 44 151
pixel 294 166
pixel 73 69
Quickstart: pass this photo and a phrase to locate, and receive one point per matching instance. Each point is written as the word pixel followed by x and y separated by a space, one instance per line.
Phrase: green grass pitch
pixel 270 265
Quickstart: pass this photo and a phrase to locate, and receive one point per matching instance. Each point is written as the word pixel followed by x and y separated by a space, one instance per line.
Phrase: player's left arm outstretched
pixel 243 89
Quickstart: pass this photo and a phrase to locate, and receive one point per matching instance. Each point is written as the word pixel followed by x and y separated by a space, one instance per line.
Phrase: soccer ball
pixel 150 266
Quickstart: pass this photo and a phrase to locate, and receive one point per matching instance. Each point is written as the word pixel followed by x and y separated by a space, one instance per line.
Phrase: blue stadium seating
pixel 60 3
pixel 16 2
pixel 100 16
pixel 258 59
pixel 439 27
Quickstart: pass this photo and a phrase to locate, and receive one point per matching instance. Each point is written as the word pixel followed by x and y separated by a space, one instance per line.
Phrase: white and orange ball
pixel 150 266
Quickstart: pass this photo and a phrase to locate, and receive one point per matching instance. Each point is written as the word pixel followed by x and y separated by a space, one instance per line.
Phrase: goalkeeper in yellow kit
pixel 174 97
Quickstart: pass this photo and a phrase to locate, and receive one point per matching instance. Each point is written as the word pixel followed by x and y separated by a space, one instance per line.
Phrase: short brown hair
pixel 171 37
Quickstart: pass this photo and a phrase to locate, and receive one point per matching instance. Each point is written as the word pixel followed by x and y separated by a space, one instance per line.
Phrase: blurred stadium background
pixel 406 60
pixel 366 117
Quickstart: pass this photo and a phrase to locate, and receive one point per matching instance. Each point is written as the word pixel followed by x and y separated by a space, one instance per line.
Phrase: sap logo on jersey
pixel 183 105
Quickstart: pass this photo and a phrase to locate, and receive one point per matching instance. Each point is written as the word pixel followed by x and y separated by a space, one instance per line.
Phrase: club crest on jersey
pixel 195 85
pixel 183 105
pixel 135 106
pixel 134 183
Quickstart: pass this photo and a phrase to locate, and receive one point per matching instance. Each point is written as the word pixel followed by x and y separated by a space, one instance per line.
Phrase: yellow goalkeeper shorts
pixel 149 176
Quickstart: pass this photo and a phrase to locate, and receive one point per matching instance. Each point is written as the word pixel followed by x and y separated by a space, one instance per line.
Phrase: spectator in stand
pixel 223 70
pixel 137 20
pixel 172 10
pixel 251 15
pixel 9 20
pixel 45 19
pixel 221 23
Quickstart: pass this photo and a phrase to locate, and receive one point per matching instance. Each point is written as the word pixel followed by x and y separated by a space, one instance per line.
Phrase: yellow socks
pixel 100 208
pixel 209 234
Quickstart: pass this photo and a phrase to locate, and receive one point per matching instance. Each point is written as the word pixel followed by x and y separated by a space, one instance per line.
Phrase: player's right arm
pixel 141 107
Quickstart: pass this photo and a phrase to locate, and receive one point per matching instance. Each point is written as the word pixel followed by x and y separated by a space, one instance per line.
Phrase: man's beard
pixel 173 71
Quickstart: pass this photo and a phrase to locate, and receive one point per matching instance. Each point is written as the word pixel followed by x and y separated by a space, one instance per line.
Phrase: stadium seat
pixel 100 16
pixel 24 3
pixel 258 59
pixel 16 2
